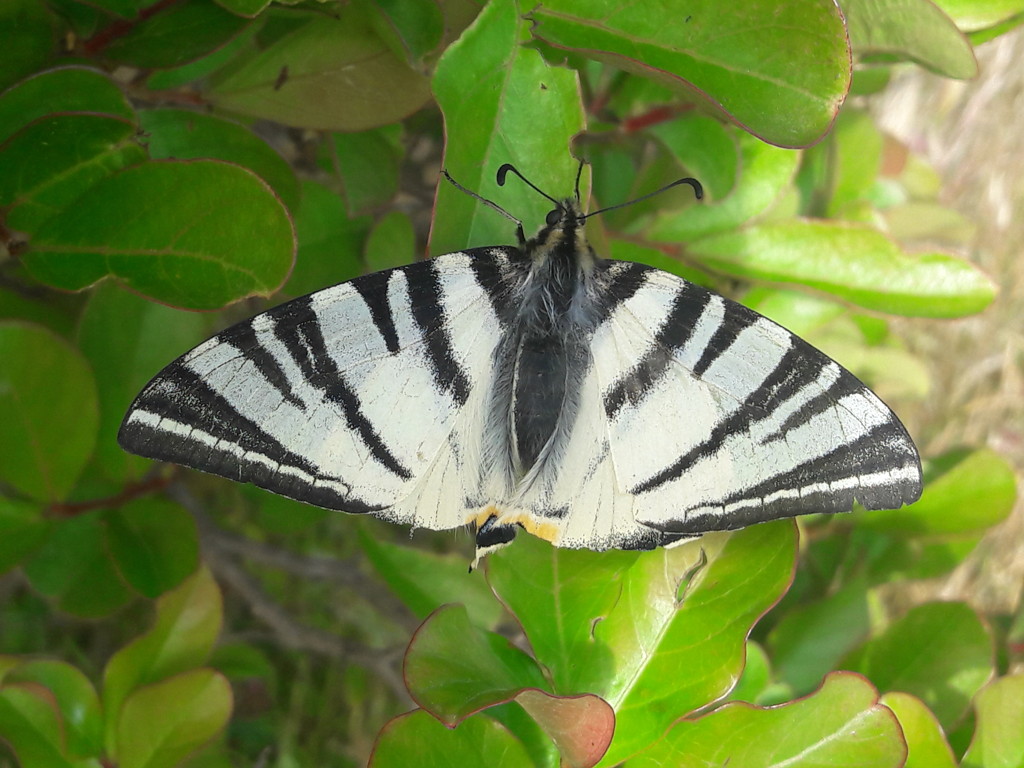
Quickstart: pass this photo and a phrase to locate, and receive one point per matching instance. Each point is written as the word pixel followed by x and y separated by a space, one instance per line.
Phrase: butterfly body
pixel 595 403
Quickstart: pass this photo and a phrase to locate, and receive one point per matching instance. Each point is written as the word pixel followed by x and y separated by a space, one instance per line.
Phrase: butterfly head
pixel 563 235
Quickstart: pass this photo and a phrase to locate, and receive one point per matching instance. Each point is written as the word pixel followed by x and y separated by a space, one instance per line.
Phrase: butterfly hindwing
pixel 357 397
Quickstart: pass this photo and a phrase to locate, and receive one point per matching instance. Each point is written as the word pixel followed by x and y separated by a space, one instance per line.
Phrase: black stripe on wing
pixel 817 485
pixel 426 302
pixel 798 368
pixel 687 307
pixel 232 446
pixel 303 337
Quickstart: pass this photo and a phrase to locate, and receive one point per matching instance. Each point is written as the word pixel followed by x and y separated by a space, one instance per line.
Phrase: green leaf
pixel 48 409
pixel 391 242
pixel 926 743
pixel 841 724
pixel 28 38
pixel 613 623
pixel 154 544
pixel 973 15
pixel 31 725
pixel 765 172
pixel 62 89
pixel 424 580
pixel 128 339
pixel 706 149
pixel 854 151
pixel 77 702
pixel 197 71
pixel 163 723
pixel 73 567
pixel 46 166
pixel 998 738
pixel 178 33
pixel 786 100
pixel 367 164
pixel 756 675
pixel 416 738
pixel 330 243
pixel 491 90
pixel 412 30
pixel 855 263
pixel 976 491
pixel 810 639
pixel 914 30
pixel 188 620
pixel 22 530
pixel 939 652
pixel 331 73
pixel 453 669
pixel 196 234
pixel 181 134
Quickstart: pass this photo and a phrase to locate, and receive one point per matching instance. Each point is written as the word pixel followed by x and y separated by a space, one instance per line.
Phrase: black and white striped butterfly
pixel 597 404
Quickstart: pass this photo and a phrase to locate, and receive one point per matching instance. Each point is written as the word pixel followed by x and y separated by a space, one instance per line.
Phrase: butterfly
pixel 594 403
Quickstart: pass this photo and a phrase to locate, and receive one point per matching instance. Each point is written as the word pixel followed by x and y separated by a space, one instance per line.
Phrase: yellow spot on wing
pixel 542 529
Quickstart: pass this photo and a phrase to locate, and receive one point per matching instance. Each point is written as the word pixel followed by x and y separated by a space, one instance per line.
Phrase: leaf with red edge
pixel 724 55
pixel 417 739
pixel 453 669
pixel 581 726
pixel 842 723
pixel 197 234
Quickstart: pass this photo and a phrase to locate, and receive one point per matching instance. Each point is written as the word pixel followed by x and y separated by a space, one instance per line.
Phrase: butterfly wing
pixel 719 418
pixel 698 414
pixel 363 397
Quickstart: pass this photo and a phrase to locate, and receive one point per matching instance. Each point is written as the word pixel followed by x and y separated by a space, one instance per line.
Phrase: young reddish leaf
pixel 581 726
pixel 650 633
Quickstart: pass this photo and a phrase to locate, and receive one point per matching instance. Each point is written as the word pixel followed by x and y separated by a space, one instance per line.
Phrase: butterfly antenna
pixel 698 190
pixel 504 171
pixel 492 205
